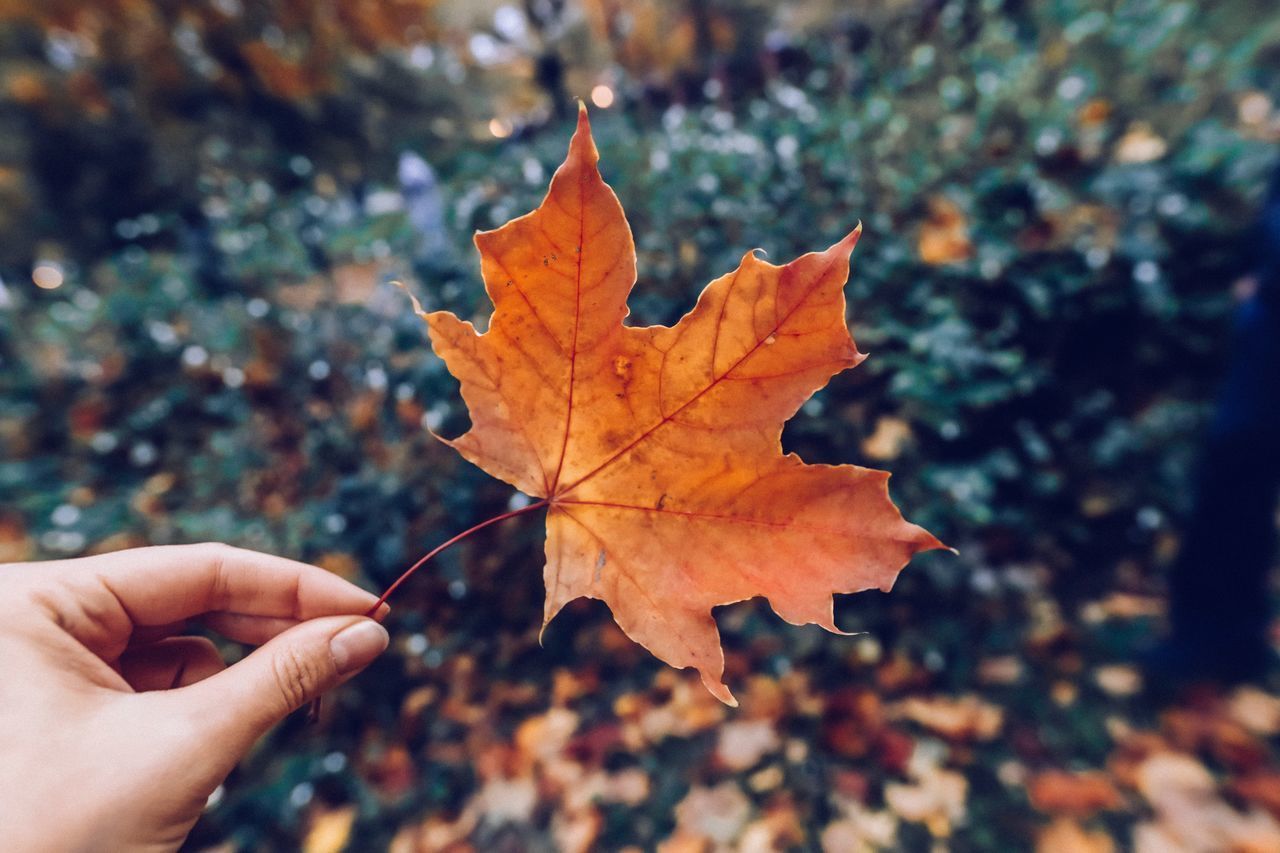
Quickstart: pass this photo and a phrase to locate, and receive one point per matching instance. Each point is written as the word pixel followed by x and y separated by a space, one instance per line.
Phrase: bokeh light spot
pixel 602 96
pixel 47 276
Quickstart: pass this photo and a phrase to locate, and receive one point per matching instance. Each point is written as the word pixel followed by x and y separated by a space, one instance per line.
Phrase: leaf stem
pixel 463 535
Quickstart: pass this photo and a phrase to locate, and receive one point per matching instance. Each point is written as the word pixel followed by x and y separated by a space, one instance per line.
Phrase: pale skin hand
pixel 114 730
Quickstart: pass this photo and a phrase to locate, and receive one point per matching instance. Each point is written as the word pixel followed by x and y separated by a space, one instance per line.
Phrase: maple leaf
pixel 657 450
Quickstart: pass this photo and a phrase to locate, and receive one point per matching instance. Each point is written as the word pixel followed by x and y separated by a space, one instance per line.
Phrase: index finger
pixel 168 583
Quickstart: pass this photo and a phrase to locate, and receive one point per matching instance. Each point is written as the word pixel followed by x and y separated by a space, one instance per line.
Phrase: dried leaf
pixel 15 545
pixel 1066 836
pixel 1256 710
pixel 1211 728
pixel 1167 778
pixel 742 743
pixel 1075 794
pixel 330 830
pixel 1118 679
pixel 888 439
pixel 860 831
pixel 1005 669
pixel 503 800
pixel 657 449
pixel 937 800
pixel 779 829
pixel 1261 789
pixel 577 832
pixel 1190 816
pixel 944 237
pixel 713 814
pixel 1122 605
pixel 962 718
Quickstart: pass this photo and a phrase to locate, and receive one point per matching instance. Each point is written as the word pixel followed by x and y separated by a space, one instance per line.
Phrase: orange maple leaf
pixel 657 450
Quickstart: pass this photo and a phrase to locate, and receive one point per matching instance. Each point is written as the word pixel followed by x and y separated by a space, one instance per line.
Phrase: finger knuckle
pixel 217 556
pixel 296 676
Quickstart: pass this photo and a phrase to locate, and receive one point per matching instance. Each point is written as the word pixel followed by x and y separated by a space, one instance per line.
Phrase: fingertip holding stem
pixel 355 647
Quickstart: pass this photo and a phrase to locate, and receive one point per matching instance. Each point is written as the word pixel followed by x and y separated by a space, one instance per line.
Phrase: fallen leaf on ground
pixel 1256 710
pixel 1065 835
pixel 436 833
pixel 544 735
pixel 860 830
pixel 1211 728
pixel 937 800
pixel 1189 814
pixel 742 743
pixel 330 830
pixel 504 800
pixel 714 814
pixel 1166 778
pixel 577 832
pixel 1261 789
pixel 657 449
pixel 778 829
pixel 944 237
pixel 1123 605
pixel 888 439
pixel 351 284
pixel 1118 679
pixel 962 718
pixel 14 542
pixel 1076 794
pixel 1005 669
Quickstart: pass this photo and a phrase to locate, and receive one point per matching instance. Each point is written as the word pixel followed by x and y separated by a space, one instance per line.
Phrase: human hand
pixel 114 730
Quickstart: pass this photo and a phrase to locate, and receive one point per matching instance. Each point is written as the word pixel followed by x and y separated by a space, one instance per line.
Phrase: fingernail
pixel 355 647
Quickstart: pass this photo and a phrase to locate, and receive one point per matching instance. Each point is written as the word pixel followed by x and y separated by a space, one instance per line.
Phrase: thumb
pixel 286 673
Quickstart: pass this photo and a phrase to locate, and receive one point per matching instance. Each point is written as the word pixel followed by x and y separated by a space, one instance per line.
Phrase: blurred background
pixel 203 204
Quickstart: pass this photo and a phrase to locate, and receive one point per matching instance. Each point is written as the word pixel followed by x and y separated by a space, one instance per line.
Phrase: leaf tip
pixel 850 240
pixel 582 144
pixel 719 691
pixel 928 542
pixel 550 610
pixel 417 306
pixel 829 624
pixel 440 438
